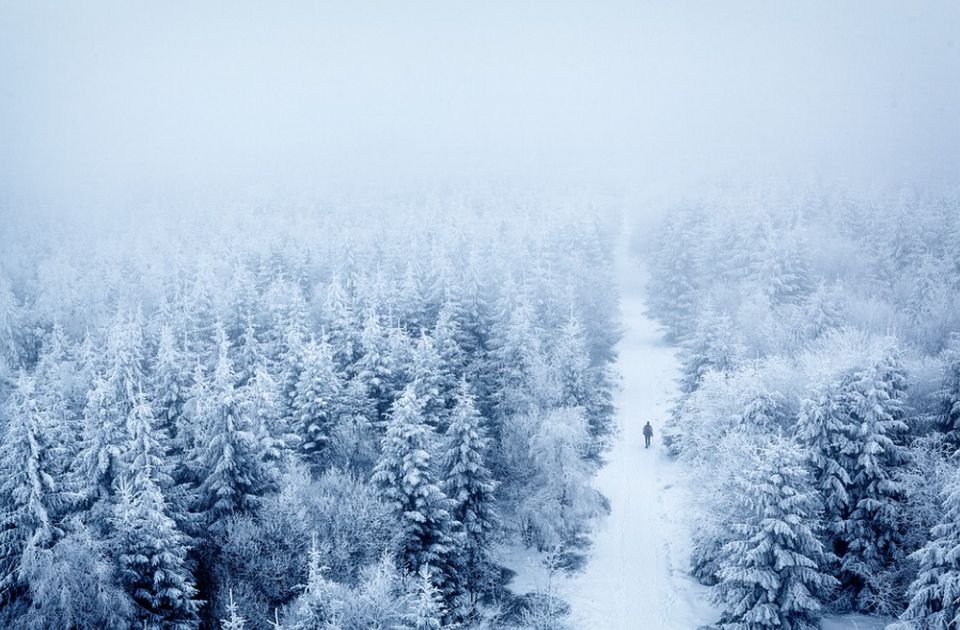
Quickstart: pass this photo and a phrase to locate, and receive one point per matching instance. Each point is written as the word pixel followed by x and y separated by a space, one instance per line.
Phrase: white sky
pixel 114 98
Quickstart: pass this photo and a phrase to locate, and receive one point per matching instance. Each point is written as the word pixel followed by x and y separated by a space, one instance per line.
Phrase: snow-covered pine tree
pixel 101 444
pixel 949 394
pixel 518 368
pixel 261 397
pixel 570 363
pixel 771 573
pixel 249 353
pixel 293 341
pixel 934 595
pixel 200 313
pixel 428 608
pixel 12 328
pixel 317 401
pixel 823 429
pixel 152 556
pixel 406 478
pixel 147 445
pixel 824 310
pixel 169 381
pixel 234 620
pixel 341 326
pixel 712 345
pixel 673 286
pixel 429 379
pixel 375 368
pixel 447 338
pixel 32 500
pixel 872 533
pixel 230 460
pixel 317 607
pixel 470 486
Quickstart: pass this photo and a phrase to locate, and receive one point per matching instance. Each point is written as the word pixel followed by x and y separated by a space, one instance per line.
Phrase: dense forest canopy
pixel 308 417
pixel 819 345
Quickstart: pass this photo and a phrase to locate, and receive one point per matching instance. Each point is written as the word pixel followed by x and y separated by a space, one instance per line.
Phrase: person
pixel 647 434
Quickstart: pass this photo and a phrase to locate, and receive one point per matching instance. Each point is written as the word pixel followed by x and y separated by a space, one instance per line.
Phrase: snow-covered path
pixel 636 574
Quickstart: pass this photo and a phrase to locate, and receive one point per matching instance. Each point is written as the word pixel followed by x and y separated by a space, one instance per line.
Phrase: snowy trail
pixel 636 574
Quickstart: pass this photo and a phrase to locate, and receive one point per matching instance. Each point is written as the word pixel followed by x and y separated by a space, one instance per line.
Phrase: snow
pixel 636 576
pixel 854 622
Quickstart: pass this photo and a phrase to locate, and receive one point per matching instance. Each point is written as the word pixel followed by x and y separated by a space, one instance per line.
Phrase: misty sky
pixel 105 98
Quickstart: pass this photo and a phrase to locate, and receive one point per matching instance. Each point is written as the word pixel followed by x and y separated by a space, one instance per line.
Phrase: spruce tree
pixel 712 345
pixel 317 401
pixel 406 478
pixel 823 429
pixel 949 393
pixel 470 486
pixel 428 607
pixel 935 592
pixel 101 445
pixel 375 367
pixel 230 459
pixel 316 608
pixel 771 573
pixel 152 556
pixel 234 620
pixel 31 500
pixel 872 531
pixel 429 381
pixel 169 381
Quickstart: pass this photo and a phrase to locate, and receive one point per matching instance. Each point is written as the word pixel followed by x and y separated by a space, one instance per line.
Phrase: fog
pixel 106 100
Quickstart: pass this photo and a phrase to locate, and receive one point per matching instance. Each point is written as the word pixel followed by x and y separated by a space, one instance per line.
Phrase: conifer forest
pixel 438 315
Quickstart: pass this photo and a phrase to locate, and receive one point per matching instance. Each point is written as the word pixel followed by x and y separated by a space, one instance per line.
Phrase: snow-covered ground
pixel 636 575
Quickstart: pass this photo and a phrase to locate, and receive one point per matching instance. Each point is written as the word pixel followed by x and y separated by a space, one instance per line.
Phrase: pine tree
pixel 249 353
pixel 448 337
pixel 341 326
pixel 429 381
pixel 405 476
pixel 771 573
pixel 822 427
pixel 169 381
pixel 292 347
pixel 99 460
pixel 571 363
pixel 935 592
pixel 673 285
pixel 31 500
pixel 316 608
pixel 375 367
pixel 231 461
pixel 712 345
pixel 152 556
pixel 521 373
pixel 234 620
pixel 949 394
pixel 470 486
pixel 317 401
pixel 148 445
pixel 871 532
pixel 200 314
pixel 12 327
pixel 428 610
